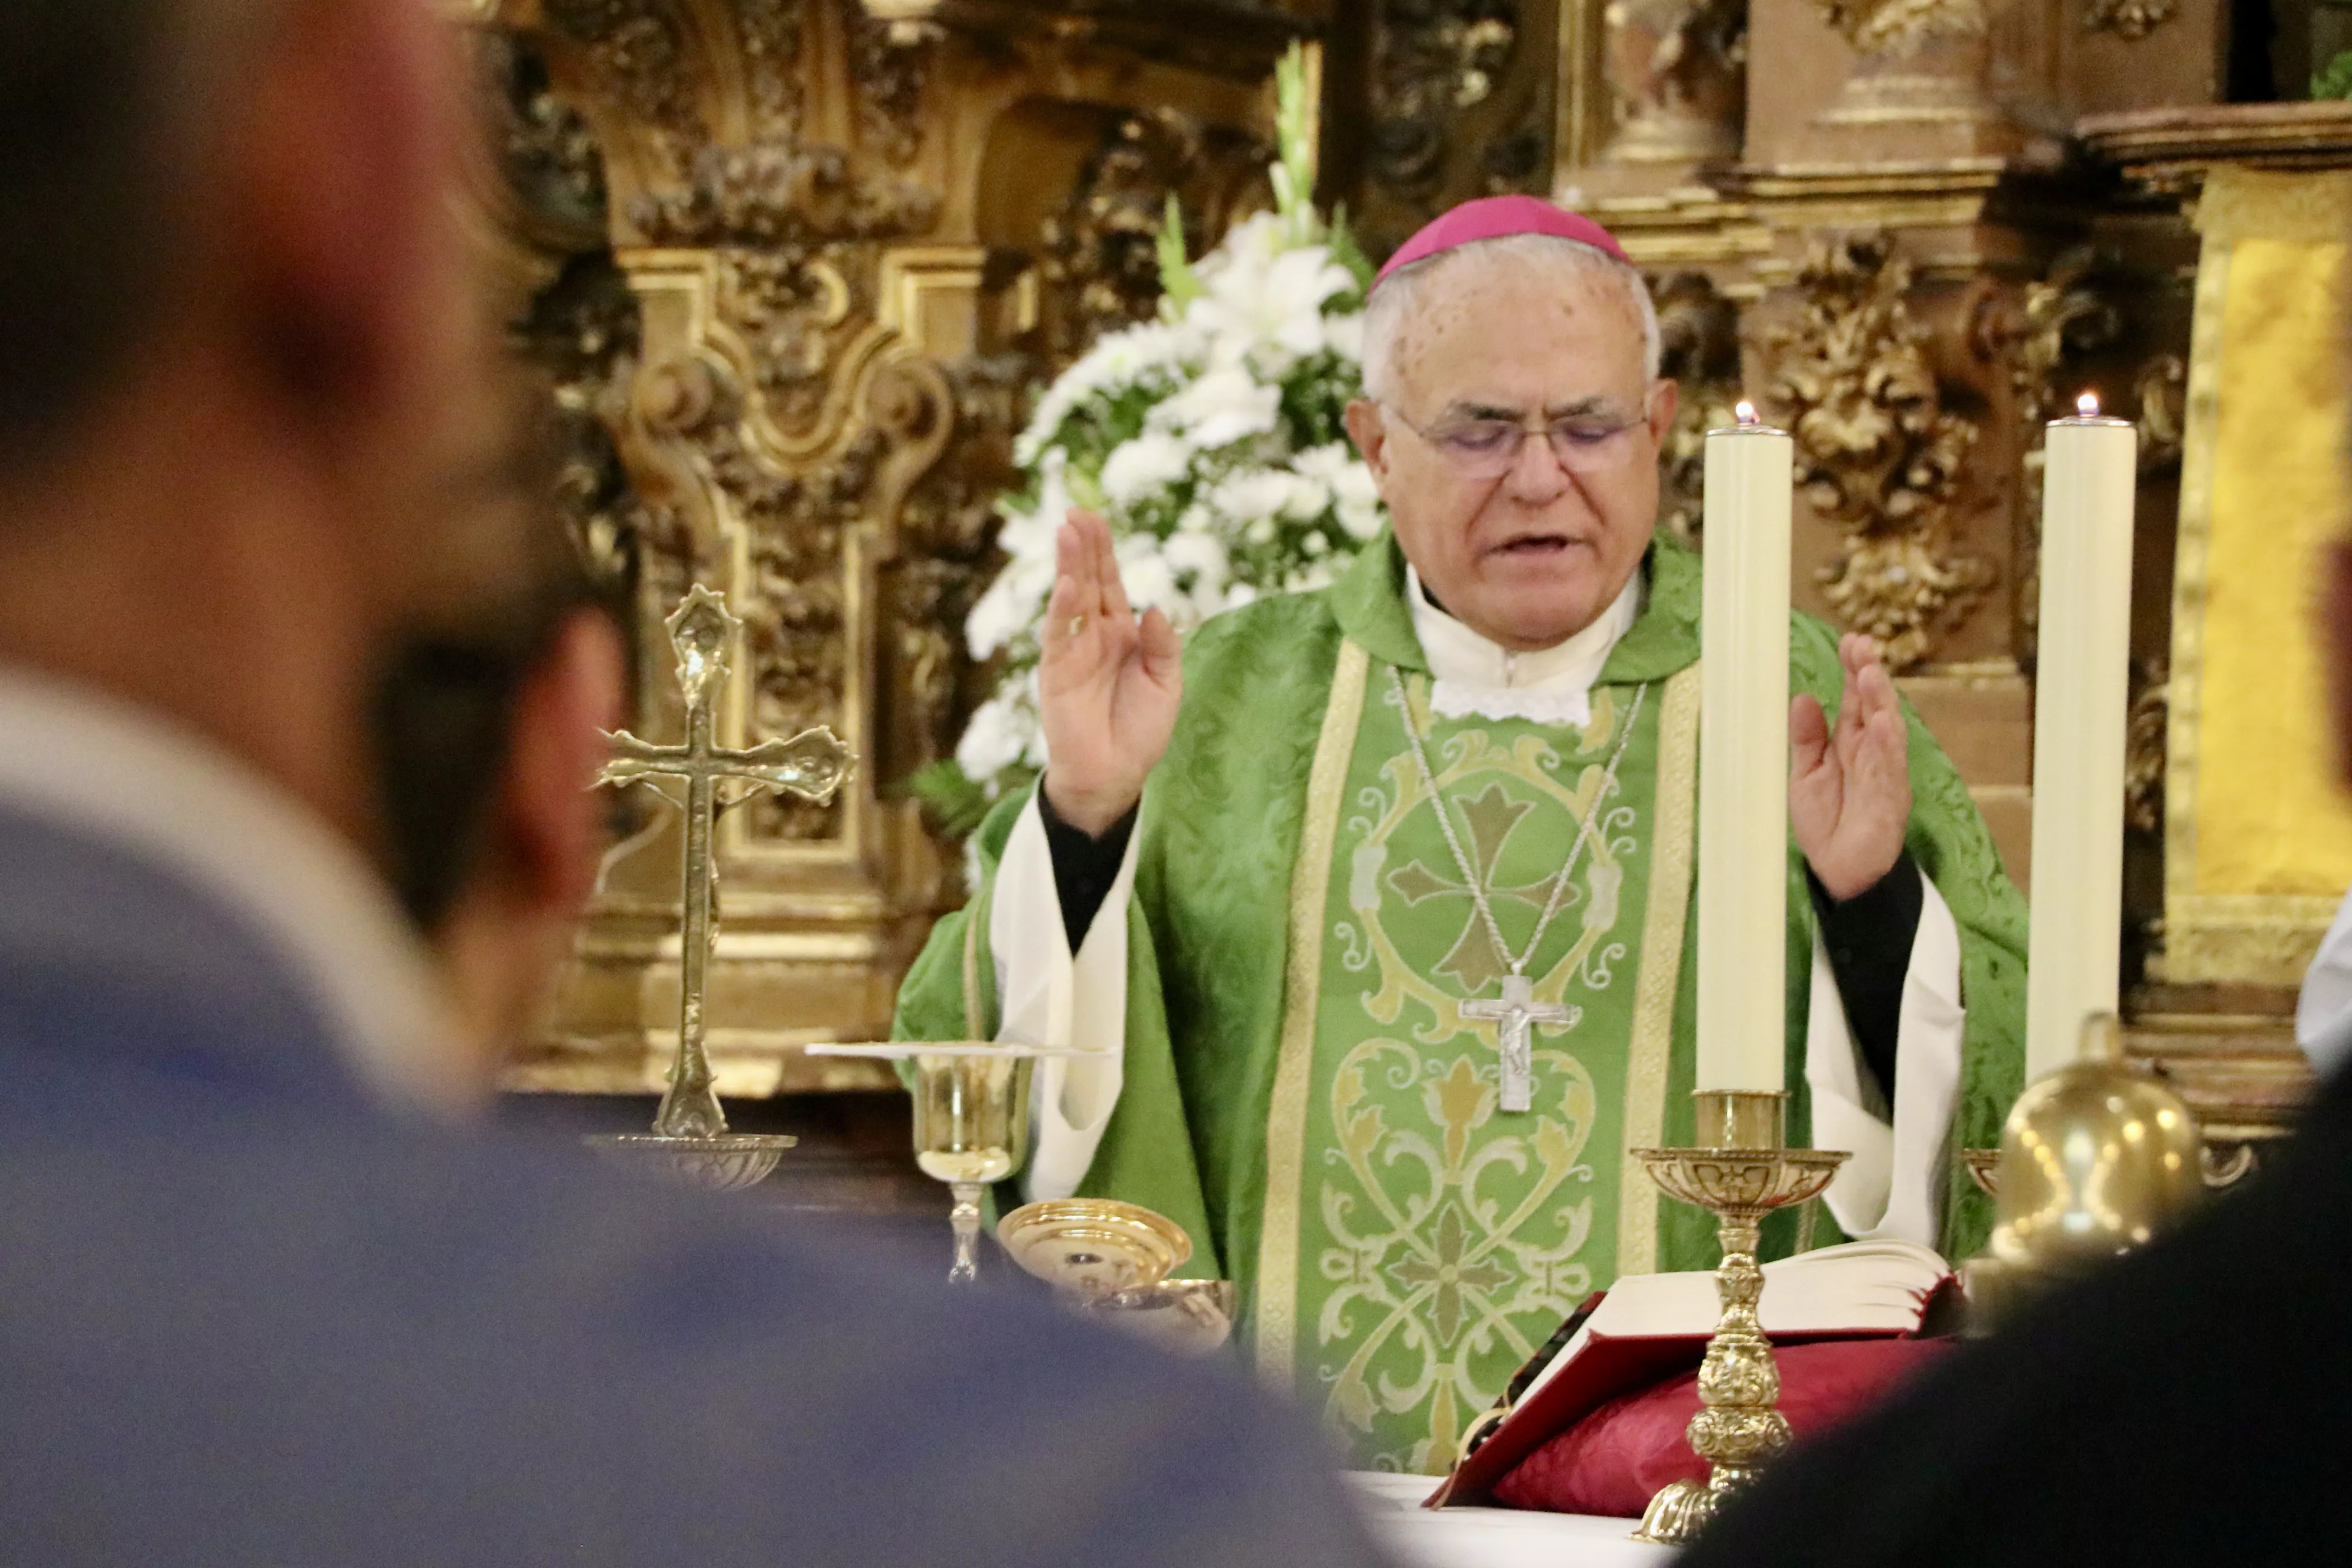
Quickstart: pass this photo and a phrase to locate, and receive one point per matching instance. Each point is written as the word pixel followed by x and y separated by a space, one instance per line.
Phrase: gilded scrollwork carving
pixel 778 193
pixel 1100 255
pixel 640 53
pixel 892 71
pixel 583 334
pixel 1900 27
pixel 2053 324
pixel 1433 59
pixel 2145 745
pixel 749 262
pixel 1878 455
pixel 1699 336
pixel 1677 73
pixel 772 32
pixel 2127 19
pixel 947 552
pixel 2162 387
pixel 547 155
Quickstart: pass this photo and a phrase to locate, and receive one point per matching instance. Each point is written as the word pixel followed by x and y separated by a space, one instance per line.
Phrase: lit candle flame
pixel 2087 406
pixel 1744 412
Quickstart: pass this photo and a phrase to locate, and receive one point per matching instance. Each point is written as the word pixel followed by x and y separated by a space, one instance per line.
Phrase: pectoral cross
pixel 811 765
pixel 1515 1016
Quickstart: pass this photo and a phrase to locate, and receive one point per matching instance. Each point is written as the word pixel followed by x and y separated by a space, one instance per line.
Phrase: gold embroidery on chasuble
pixel 1420 1241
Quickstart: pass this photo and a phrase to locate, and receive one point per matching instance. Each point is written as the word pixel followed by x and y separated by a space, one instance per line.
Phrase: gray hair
pixel 1398 295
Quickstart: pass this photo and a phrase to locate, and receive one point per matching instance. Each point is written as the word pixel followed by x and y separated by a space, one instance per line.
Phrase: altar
pixel 1417 1537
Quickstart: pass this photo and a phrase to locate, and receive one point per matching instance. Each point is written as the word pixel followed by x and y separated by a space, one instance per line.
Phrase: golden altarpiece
pixel 794 265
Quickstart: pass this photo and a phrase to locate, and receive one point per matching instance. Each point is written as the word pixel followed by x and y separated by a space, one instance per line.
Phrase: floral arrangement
pixel 1211 440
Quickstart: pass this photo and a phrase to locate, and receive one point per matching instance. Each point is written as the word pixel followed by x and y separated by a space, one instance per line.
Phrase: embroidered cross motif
pixel 1515 1017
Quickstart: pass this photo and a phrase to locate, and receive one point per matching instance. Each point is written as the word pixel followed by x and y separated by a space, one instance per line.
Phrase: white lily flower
pixel 1222 406
pixel 1253 495
pixel 1152 461
pixel 1200 554
pixel 1149 580
pixel 993 739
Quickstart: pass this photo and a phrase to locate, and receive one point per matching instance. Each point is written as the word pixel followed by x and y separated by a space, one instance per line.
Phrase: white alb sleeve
pixel 1050 996
pixel 1893 1188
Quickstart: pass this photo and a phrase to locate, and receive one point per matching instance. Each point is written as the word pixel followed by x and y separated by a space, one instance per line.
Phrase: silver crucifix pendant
pixel 1515 1017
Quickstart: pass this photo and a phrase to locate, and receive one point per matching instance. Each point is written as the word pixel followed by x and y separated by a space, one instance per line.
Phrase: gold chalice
pixel 971 1121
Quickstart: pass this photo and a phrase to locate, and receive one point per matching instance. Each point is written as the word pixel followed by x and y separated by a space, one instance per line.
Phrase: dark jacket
pixel 247 1317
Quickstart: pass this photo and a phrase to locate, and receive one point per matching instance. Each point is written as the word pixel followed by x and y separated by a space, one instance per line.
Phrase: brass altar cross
pixel 811 765
pixel 1515 1017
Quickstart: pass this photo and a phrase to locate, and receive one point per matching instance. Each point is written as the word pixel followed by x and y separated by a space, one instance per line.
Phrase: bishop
pixel 1375 903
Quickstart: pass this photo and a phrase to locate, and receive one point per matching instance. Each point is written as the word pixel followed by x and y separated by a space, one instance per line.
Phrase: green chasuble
pixel 1302 1091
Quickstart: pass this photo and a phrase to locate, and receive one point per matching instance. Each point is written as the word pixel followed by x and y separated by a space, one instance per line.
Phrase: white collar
pixel 1475 677
pixel 82 759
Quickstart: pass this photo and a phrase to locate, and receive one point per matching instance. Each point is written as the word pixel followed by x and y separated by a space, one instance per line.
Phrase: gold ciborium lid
pixel 1113 1259
pixel 2096 1159
pixel 1094 1247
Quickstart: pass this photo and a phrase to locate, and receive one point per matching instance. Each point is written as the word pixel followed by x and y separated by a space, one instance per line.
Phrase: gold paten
pixel 1114 1258
pixel 1746 1175
pixel 1094 1247
pixel 689 1132
pixel 2096 1159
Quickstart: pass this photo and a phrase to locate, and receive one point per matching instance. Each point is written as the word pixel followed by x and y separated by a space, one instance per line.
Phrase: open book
pixel 1648 1327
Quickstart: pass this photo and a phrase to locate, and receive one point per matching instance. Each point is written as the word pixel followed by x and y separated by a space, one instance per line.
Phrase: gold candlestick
pixel 689 1135
pixel 1741 1170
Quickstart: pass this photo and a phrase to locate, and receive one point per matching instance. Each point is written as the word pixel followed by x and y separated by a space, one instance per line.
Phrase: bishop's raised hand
pixel 1108 683
pixel 1850 788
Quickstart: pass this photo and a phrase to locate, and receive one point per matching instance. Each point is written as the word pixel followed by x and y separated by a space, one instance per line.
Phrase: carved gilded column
pixel 1677 77
pixel 826 220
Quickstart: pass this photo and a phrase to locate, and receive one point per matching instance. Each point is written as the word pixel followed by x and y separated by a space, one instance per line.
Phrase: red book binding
pixel 1648 1329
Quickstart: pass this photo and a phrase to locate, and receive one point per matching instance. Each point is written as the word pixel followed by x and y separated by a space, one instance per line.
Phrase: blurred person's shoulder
pixel 320 1322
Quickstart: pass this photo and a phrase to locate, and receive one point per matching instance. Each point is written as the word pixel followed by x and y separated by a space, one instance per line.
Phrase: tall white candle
pixel 2080 701
pixel 1743 782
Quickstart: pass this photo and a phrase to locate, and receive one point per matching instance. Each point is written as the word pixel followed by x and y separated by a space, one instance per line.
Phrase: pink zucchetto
pixel 1500 217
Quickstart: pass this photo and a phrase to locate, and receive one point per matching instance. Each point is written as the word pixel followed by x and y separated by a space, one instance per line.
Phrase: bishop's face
pixel 1526 538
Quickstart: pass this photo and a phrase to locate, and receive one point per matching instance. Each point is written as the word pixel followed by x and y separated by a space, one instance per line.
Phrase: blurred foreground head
pixel 258 468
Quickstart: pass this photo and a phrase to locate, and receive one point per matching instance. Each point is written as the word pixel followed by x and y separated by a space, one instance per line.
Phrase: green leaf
pixel 2335 80
pixel 1294 132
pixel 955 803
pixel 1348 253
pixel 1178 282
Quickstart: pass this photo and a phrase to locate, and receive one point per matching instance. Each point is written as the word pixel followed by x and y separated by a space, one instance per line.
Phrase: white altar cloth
pixel 1414 1537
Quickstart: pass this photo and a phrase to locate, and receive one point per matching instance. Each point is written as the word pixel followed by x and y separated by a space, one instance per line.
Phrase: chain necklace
pixel 1517 965
pixel 1517 1015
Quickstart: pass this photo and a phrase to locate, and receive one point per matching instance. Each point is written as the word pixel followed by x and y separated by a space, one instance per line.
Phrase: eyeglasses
pixel 1486 448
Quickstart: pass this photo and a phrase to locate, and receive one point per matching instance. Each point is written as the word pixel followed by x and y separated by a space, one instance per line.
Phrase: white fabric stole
pixel 1893 1188
pixel 1049 996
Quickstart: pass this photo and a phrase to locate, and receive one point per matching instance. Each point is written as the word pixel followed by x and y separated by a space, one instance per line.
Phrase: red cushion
pixel 1616 1458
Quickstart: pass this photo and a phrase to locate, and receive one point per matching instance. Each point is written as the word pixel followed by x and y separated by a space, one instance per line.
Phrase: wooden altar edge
pixel 2170 146
pixel 2230 1051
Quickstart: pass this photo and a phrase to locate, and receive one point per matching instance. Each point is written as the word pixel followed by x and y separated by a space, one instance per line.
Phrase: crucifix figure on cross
pixel 811 765
pixel 1515 1017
